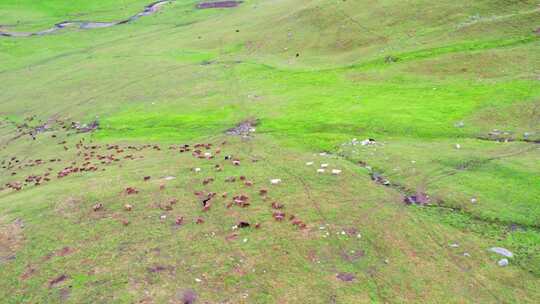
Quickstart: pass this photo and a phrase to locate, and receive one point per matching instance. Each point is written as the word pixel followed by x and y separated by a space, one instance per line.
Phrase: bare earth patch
pixel 219 4
pixel 11 239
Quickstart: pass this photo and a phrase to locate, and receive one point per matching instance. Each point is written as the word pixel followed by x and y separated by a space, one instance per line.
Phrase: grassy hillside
pixel 35 15
pixel 448 90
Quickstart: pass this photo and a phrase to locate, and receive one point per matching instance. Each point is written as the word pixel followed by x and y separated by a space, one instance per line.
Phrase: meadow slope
pixel 404 135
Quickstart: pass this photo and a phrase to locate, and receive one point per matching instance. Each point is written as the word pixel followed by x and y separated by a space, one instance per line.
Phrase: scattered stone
pixel 503 262
pixel 368 141
pixel 346 277
pixel 502 251
pixel 419 198
pixel 379 179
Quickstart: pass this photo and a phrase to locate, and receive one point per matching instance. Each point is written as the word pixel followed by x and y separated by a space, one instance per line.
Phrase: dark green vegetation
pixel 429 81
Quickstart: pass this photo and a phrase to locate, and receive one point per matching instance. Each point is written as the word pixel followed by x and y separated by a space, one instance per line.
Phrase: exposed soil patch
pixel 188 297
pixel 219 4
pixel 346 277
pixel 353 255
pixel 244 128
pixel 65 251
pixel 11 238
pixel 85 128
pixel 57 280
pixel 65 293
pixel 160 268
pixel 28 273
pixel 498 135
pixel 85 25
pixel 419 198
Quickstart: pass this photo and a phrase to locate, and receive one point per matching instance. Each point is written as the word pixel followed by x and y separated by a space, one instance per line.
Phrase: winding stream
pixel 85 25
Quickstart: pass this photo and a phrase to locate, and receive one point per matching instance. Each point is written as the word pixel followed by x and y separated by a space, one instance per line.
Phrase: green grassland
pixel 427 80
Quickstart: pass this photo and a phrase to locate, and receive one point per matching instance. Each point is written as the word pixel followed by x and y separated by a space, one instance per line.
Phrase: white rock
pixel 367 141
pixel 502 251
pixel 503 262
pixel 336 171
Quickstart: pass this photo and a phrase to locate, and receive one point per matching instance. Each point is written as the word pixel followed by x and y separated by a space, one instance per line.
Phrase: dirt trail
pixel 85 25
